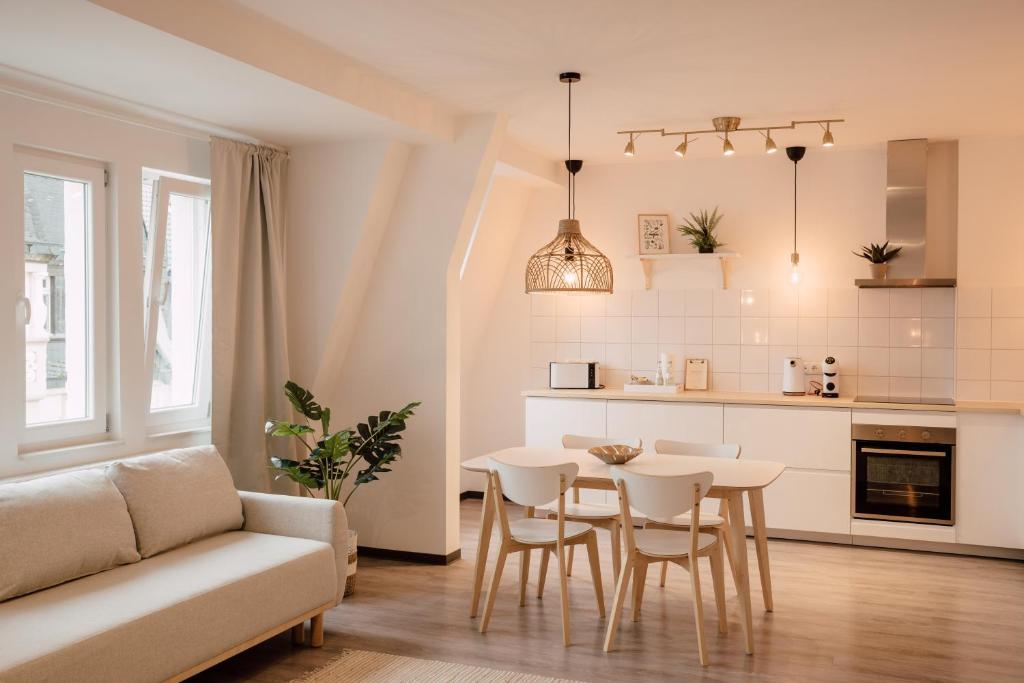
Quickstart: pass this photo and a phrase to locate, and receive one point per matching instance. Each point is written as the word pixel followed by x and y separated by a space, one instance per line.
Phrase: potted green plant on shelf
pixel 878 255
pixel 362 452
pixel 699 228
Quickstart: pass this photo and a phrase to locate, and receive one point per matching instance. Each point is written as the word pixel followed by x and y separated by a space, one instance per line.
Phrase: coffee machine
pixel 830 378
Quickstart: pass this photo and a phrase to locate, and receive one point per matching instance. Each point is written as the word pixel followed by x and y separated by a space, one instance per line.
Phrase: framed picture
pixel 653 232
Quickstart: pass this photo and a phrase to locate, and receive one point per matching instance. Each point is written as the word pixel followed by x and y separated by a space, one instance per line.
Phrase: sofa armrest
pixel 312 518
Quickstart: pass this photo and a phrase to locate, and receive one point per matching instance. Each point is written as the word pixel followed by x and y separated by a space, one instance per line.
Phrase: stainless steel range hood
pixel 920 214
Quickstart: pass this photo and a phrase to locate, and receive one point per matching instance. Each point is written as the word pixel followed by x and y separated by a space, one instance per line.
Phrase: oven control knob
pixel 925 434
pixel 902 434
pixel 879 433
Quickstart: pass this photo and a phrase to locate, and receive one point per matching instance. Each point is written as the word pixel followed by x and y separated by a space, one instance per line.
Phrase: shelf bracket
pixel 726 265
pixel 647 265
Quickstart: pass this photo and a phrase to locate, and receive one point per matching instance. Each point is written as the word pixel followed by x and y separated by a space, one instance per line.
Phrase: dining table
pixel 732 478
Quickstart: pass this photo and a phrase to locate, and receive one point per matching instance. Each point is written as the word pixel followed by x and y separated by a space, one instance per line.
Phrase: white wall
pixel 125 148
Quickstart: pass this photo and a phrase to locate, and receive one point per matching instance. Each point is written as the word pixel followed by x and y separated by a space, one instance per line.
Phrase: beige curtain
pixel 250 351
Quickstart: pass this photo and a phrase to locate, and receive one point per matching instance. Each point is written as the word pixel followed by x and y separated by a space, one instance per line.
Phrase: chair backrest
pixel 662 497
pixel 533 486
pixel 574 441
pixel 706 450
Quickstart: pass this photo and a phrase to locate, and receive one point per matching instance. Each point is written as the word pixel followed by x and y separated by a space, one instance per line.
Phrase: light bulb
pixel 569 277
pixel 794 275
pixel 681 149
pixel 727 148
pixel 769 145
pixel 630 147
pixel 827 140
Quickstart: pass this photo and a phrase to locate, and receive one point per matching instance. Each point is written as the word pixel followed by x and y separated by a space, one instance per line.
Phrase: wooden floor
pixel 841 614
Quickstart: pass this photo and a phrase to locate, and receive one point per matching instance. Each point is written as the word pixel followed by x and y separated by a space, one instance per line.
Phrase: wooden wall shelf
pixel 647 262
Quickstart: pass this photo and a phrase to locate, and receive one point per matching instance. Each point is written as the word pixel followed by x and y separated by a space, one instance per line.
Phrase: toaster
pixel 574 375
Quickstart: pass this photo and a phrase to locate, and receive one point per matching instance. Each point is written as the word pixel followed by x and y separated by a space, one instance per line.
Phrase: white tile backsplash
pixel 1007 391
pixel 1008 333
pixel 1007 365
pixel 1007 301
pixel 644 330
pixel 898 342
pixel 873 303
pixel 726 330
pixel 971 390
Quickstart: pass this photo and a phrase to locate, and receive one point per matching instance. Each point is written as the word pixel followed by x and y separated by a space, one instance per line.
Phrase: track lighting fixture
pixel 827 140
pixel 724 125
pixel 630 147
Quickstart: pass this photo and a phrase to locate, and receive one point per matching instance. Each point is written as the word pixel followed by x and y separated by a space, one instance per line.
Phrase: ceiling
pixel 892 68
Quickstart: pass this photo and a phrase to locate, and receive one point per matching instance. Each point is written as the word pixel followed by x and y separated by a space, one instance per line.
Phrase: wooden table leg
pixel 740 574
pixel 761 545
pixel 483 543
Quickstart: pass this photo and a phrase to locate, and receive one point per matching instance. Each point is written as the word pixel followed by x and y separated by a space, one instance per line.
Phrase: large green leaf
pixel 282 428
pixel 302 400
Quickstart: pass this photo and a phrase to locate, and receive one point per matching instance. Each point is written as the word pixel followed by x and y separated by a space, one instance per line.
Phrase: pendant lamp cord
pixel 794 207
pixel 572 176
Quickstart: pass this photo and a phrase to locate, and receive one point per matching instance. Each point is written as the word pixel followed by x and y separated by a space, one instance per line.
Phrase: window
pixel 63 301
pixel 176 256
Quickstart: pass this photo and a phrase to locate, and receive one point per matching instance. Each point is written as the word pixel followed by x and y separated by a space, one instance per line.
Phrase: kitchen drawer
pixel 548 419
pixel 653 420
pixel 808 438
pixel 808 501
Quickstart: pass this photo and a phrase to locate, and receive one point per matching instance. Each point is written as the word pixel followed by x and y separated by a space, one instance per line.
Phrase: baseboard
pixel 408 556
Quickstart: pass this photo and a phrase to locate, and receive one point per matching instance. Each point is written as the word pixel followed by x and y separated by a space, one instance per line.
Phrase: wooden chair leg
pixel 524 576
pixel 616 531
pixel 564 588
pixel 664 573
pixel 638 588
pixel 698 611
pixel 299 633
pixel 618 603
pixel 723 512
pixel 595 571
pixel 499 566
pixel 545 555
pixel 316 630
pixel 718 579
pixel 568 566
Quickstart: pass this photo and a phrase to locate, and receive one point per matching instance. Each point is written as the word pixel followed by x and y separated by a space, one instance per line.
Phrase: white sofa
pixel 155 568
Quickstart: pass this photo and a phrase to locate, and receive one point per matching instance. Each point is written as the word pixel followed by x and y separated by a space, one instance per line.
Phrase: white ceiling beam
pixel 237 32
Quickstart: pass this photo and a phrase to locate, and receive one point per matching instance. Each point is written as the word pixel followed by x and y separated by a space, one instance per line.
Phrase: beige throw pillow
pixel 55 529
pixel 177 497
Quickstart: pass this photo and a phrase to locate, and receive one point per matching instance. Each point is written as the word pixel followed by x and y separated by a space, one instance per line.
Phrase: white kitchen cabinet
pixel 808 501
pixel 806 438
pixel 548 419
pixel 653 420
pixel 989 465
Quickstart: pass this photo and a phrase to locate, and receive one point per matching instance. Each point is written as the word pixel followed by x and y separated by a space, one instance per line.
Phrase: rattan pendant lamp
pixel 569 263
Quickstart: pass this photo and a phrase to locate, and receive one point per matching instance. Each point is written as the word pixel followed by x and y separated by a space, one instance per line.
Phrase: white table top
pixel 729 474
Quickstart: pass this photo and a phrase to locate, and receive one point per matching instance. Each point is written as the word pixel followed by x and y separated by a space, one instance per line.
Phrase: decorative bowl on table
pixel 615 455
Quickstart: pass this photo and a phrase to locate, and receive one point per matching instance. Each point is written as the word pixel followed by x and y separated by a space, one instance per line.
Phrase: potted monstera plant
pixel 878 255
pixel 362 452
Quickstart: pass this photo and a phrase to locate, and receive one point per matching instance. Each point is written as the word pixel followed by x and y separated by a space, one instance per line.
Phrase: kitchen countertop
pixel 749 398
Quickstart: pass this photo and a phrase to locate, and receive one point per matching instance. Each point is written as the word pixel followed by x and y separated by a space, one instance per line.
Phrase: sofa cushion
pixel 162 616
pixel 59 528
pixel 177 497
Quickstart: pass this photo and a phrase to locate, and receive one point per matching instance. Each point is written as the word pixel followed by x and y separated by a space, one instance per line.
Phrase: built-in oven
pixel 903 473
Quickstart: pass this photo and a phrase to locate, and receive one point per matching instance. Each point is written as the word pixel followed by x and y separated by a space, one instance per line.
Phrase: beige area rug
pixel 360 666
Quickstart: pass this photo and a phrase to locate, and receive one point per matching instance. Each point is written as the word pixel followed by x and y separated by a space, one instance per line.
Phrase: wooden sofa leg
pixel 316 630
pixel 299 633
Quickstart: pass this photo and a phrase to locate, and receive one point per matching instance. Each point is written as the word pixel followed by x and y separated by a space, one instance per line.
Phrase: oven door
pixel 903 481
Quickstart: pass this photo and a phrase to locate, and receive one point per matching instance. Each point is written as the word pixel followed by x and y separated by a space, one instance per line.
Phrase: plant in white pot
pixel 878 255
pixel 363 451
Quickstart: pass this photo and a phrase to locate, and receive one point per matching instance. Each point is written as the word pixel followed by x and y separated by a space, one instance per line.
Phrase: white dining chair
pixel 601 515
pixel 664 497
pixel 708 520
pixel 529 487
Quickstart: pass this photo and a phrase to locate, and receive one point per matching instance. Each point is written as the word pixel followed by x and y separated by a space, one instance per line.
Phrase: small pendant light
pixel 795 154
pixel 569 263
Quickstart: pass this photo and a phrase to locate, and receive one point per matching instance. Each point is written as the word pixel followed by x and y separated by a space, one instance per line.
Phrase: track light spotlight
pixel 727 148
pixel 827 140
pixel 680 151
pixel 769 144
pixel 630 147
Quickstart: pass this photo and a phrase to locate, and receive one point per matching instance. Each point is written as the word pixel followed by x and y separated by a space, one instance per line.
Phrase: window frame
pixel 196 415
pixel 95 425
